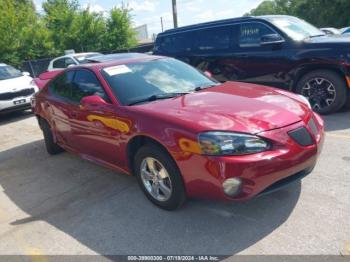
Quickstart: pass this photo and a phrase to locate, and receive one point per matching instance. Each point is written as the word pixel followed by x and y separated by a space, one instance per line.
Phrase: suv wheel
pixel 51 147
pixel 325 89
pixel 159 177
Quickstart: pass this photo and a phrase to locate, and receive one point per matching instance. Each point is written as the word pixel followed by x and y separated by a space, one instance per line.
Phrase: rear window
pixel 175 43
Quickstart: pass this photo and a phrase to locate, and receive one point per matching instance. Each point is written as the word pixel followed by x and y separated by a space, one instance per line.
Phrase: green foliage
pixel 321 13
pixel 119 33
pixel 59 17
pixel 23 34
pixel 26 35
pixel 88 31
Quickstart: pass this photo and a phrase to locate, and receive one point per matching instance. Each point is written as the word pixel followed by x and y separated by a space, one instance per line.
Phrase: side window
pixel 176 43
pixel 59 63
pixel 86 84
pixel 69 61
pixel 250 34
pixel 218 38
pixel 61 86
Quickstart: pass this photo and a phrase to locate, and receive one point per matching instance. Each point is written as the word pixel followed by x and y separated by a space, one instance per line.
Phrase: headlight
pixel 225 143
pixel 306 101
pixel 34 85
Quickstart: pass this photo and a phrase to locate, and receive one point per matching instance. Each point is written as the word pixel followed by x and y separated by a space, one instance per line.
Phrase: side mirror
pixel 271 39
pixel 25 73
pixel 91 101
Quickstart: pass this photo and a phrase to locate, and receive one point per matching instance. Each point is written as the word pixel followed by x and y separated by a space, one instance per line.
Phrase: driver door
pixel 91 129
pixel 261 64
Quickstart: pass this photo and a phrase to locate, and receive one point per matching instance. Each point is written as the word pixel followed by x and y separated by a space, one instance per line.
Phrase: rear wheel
pixel 325 89
pixel 159 177
pixel 51 146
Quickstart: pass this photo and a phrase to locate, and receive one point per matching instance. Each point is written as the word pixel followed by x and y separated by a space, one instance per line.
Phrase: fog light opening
pixel 232 186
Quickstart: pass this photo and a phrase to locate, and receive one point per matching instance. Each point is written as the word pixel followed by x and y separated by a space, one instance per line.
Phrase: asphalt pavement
pixel 65 205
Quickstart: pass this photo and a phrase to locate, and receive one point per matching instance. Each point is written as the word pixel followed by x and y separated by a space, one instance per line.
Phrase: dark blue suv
pixel 279 51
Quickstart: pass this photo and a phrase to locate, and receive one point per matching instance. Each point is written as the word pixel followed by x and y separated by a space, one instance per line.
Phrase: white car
pixel 331 31
pixel 16 89
pixel 70 60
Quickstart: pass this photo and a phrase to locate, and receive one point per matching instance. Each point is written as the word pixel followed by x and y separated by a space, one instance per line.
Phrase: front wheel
pixel 159 177
pixel 326 90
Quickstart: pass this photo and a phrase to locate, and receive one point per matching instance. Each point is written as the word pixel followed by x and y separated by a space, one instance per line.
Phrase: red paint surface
pixel 102 133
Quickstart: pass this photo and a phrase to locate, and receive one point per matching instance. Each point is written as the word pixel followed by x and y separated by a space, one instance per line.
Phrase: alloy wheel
pixel 320 92
pixel 156 179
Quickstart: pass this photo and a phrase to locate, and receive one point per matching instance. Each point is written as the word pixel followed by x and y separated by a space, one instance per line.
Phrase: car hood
pixel 15 84
pixel 330 39
pixel 232 106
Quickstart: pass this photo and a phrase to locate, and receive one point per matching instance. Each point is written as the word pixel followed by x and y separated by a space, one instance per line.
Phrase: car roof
pixel 76 54
pixel 118 56
pixel 219 22
pixel 206 24
pixel 122 59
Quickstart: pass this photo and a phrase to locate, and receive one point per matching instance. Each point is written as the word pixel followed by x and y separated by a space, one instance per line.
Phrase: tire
pixel 347 104
pixel 326 90
pixel 51 147
pixel 177 197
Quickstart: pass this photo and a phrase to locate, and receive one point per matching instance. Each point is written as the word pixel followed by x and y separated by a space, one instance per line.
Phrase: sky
pixel 189 11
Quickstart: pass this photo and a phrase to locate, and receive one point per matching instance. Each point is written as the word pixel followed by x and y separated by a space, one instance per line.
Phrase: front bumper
pixel 260 173
pixel 7 106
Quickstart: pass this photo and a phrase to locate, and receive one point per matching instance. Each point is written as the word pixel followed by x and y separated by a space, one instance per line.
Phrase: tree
pixel 27 35
pixel 59 18
pixel 321 13
pixel 23 36
pixel 88 31
pixel 119 34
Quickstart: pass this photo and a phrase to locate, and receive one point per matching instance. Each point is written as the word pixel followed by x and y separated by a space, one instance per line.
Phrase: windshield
pixel 295 28
pixel 83 59
pixel 7 72
pixel 134 82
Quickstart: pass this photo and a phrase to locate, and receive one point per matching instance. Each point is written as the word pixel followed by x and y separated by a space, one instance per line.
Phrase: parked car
pixel 279 51
pixel 331 31
pixel 16 89
pixel 45 77
pixel 345 30
pixel 65 61
pixel 181 133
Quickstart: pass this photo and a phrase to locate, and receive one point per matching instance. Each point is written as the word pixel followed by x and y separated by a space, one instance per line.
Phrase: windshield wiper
pixel 204 87
pixel 158 97
pixel 313 36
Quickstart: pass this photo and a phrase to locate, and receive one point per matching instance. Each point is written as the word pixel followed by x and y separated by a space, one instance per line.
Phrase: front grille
pixel 301 136
pixel 12 95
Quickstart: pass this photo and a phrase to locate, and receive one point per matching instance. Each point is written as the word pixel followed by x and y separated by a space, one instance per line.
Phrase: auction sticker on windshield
pixel 117 70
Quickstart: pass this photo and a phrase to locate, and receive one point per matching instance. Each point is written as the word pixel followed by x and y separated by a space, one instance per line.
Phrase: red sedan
pixel 181 133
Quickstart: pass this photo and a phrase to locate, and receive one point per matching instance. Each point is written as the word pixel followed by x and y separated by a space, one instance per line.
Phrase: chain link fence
pixel 38 66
